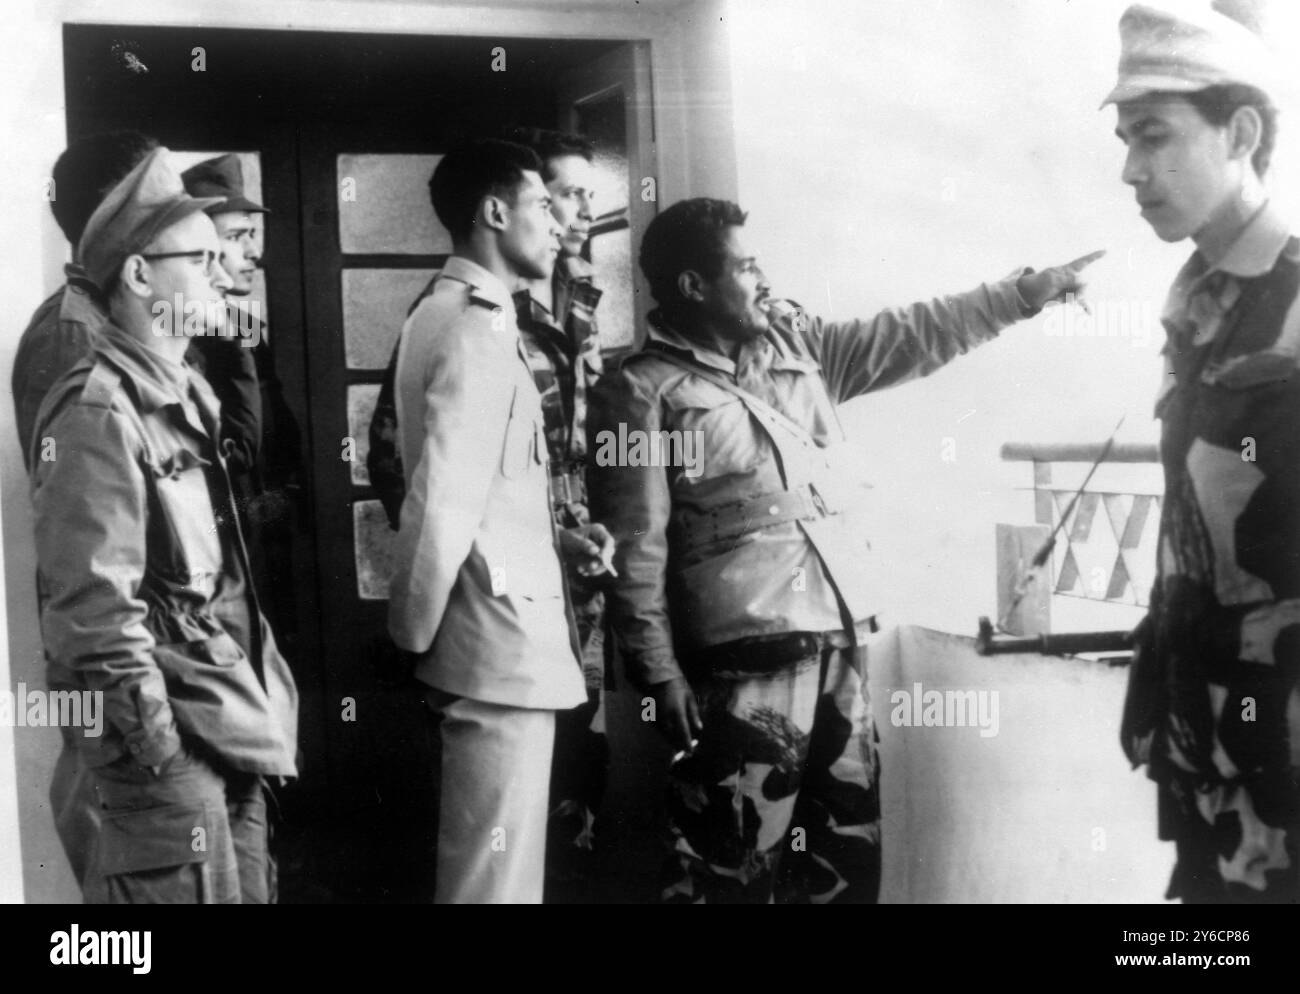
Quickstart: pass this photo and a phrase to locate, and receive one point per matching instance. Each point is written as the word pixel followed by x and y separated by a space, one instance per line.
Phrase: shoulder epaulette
pixel 483 302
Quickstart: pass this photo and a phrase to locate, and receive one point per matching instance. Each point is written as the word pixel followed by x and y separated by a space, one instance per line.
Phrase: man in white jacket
pixel 477 589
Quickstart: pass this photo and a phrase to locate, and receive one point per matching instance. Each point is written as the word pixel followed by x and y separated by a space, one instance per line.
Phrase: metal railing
pixel 1106 549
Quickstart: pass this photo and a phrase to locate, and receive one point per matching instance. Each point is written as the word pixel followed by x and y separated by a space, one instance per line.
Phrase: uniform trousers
pixel 496 763
pixel 196 834
pixel 779 802
pixel 73 805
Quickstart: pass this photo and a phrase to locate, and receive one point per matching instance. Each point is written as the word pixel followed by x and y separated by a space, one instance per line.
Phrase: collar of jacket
pixel 571 282
pixel 77 276
pixel 531 312
pixel 154 383
pixel 482 284
pixel 1255 250
pixel 766 352
pixel 573 269
pixel 1253 253
pixel 80 303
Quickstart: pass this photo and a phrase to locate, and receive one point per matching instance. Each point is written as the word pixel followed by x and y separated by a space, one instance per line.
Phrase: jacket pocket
pixel 181 483
pixel 708 434
pixel 153 856
pixel 218 650
pixel 522 450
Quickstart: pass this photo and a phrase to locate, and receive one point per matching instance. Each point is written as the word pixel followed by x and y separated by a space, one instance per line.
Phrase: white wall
pixel 1045 811
pixel 32 99
pixel 893 150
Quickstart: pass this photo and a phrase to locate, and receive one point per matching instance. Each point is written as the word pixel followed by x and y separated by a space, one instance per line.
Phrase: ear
pixel 690 285
pixel 1245 131
pixel 133 277
pixel 492 213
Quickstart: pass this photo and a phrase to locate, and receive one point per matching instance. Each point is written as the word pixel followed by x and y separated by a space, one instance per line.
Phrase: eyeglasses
pixel 208 256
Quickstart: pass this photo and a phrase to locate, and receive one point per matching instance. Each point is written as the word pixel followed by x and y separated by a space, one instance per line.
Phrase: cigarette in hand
pixel 609 565
pixel 683 753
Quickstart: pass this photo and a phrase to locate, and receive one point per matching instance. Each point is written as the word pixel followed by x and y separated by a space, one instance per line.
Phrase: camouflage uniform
pixel 564 354
pixel 750 579
pixel 1214 694
pixel 781 799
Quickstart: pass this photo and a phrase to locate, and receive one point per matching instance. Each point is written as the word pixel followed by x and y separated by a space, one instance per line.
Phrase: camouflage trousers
pixel 579 769
pixel 1237 842
pixel 780 800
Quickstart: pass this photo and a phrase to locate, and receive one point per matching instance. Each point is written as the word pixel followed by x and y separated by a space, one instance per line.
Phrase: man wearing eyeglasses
pixel 143 576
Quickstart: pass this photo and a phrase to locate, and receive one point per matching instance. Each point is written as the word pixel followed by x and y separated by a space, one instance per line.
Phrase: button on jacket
pixel 759 539
pixel 142 572
pixel 477 588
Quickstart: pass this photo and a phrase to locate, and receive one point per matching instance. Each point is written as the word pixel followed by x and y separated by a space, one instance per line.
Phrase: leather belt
pixel 729 521
pixel 769 653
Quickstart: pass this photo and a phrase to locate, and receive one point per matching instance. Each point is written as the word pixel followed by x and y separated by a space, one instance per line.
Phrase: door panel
pixel 608 100
pixel 360 278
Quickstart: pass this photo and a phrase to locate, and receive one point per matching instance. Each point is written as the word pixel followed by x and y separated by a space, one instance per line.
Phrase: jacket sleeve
pixel 908 342
pixel 91 509
pixel 634 503
pixel 468 393
pixel 48 349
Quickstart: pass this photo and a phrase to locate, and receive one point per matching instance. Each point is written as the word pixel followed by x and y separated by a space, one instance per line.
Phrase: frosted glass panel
pixel 384 205
pixel 375 304
pixel 361 405
pixel 373 540
pixel 611 256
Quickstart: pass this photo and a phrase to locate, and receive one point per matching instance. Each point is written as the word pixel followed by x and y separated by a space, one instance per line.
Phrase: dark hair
pixel 688 235
pixel 468 173
pixel 87 170
pixel 552 145
pixel 1217 104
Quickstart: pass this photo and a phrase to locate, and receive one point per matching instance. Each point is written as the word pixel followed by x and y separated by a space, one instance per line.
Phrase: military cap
pixel 148 200
pixel 1168 51
pixel 221 177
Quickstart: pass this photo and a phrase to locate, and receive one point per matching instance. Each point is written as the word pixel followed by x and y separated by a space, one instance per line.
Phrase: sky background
pixel 892 151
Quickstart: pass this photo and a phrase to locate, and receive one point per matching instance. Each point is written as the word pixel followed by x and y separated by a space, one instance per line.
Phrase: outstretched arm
pixel 908 342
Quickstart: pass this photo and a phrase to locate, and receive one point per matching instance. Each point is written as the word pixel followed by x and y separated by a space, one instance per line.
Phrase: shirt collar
pixel 481 282
pixel 1257 247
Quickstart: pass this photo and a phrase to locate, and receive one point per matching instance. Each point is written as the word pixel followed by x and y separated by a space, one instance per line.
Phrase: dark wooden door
pixel 347 129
